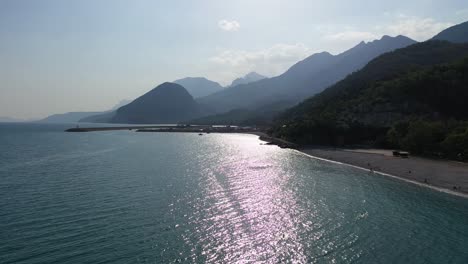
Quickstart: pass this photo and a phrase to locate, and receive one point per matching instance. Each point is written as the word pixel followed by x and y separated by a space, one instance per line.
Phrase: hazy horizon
pixel 87 56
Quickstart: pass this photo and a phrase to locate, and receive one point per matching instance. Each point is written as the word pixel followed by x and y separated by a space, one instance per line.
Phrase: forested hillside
pixel 381 103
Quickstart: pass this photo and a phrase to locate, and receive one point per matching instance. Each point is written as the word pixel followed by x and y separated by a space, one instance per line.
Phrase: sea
pixel 128 197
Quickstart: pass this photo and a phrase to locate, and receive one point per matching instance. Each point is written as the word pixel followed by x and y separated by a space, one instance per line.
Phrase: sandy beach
pixel 449 175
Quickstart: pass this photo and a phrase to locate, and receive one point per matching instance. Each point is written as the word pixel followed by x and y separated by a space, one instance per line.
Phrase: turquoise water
pixel 127 197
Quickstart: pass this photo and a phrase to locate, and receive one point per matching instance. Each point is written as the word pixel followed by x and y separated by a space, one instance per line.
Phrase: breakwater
pixel 194 129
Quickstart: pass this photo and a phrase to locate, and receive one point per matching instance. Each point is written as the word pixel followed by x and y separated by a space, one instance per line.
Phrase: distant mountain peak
pixel 193 78
pixel 167 103
pixel 166 89
pixel 384 37
pixel 167 85
pixel 248 78
pixel 387 38
pixel 199 86
pixel 253 75
pixel 360 44
pixel 323 54
pixel 385 43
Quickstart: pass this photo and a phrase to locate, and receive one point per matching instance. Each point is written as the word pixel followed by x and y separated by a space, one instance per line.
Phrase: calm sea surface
pixel 127 197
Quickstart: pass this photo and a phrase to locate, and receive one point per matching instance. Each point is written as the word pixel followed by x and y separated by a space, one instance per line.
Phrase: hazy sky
pixel 61 55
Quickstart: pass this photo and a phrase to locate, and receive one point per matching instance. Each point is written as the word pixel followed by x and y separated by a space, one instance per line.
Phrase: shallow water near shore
pixel 126 197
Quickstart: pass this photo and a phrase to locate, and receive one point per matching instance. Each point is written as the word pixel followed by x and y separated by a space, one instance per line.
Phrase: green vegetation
pixel 260 116
pixel 447 139
pixel 409 99
pixel 240 117
pixel 455 34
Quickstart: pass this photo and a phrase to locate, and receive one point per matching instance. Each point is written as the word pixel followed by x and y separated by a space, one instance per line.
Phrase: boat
pixel 401 154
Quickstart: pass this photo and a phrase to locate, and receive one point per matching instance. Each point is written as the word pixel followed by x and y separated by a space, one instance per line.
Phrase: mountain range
pixel 256 100
pixel 413 98
pixel 267 97
pixel 367 97
pixel 5 119
pixel 73 117
pixel 303 79
pixel 201 87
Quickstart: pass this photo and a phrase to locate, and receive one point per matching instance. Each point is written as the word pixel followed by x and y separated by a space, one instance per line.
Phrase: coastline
pixel 440 175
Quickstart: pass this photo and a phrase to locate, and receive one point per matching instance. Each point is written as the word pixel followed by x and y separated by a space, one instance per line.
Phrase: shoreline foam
pixel 433 187
pixel 437 182
pixel 392 165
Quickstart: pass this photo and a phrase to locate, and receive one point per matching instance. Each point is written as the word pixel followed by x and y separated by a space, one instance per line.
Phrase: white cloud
pixel 417 28
pixel 271 61
pixel 338 40
pixel 463 13
pixel 227 25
